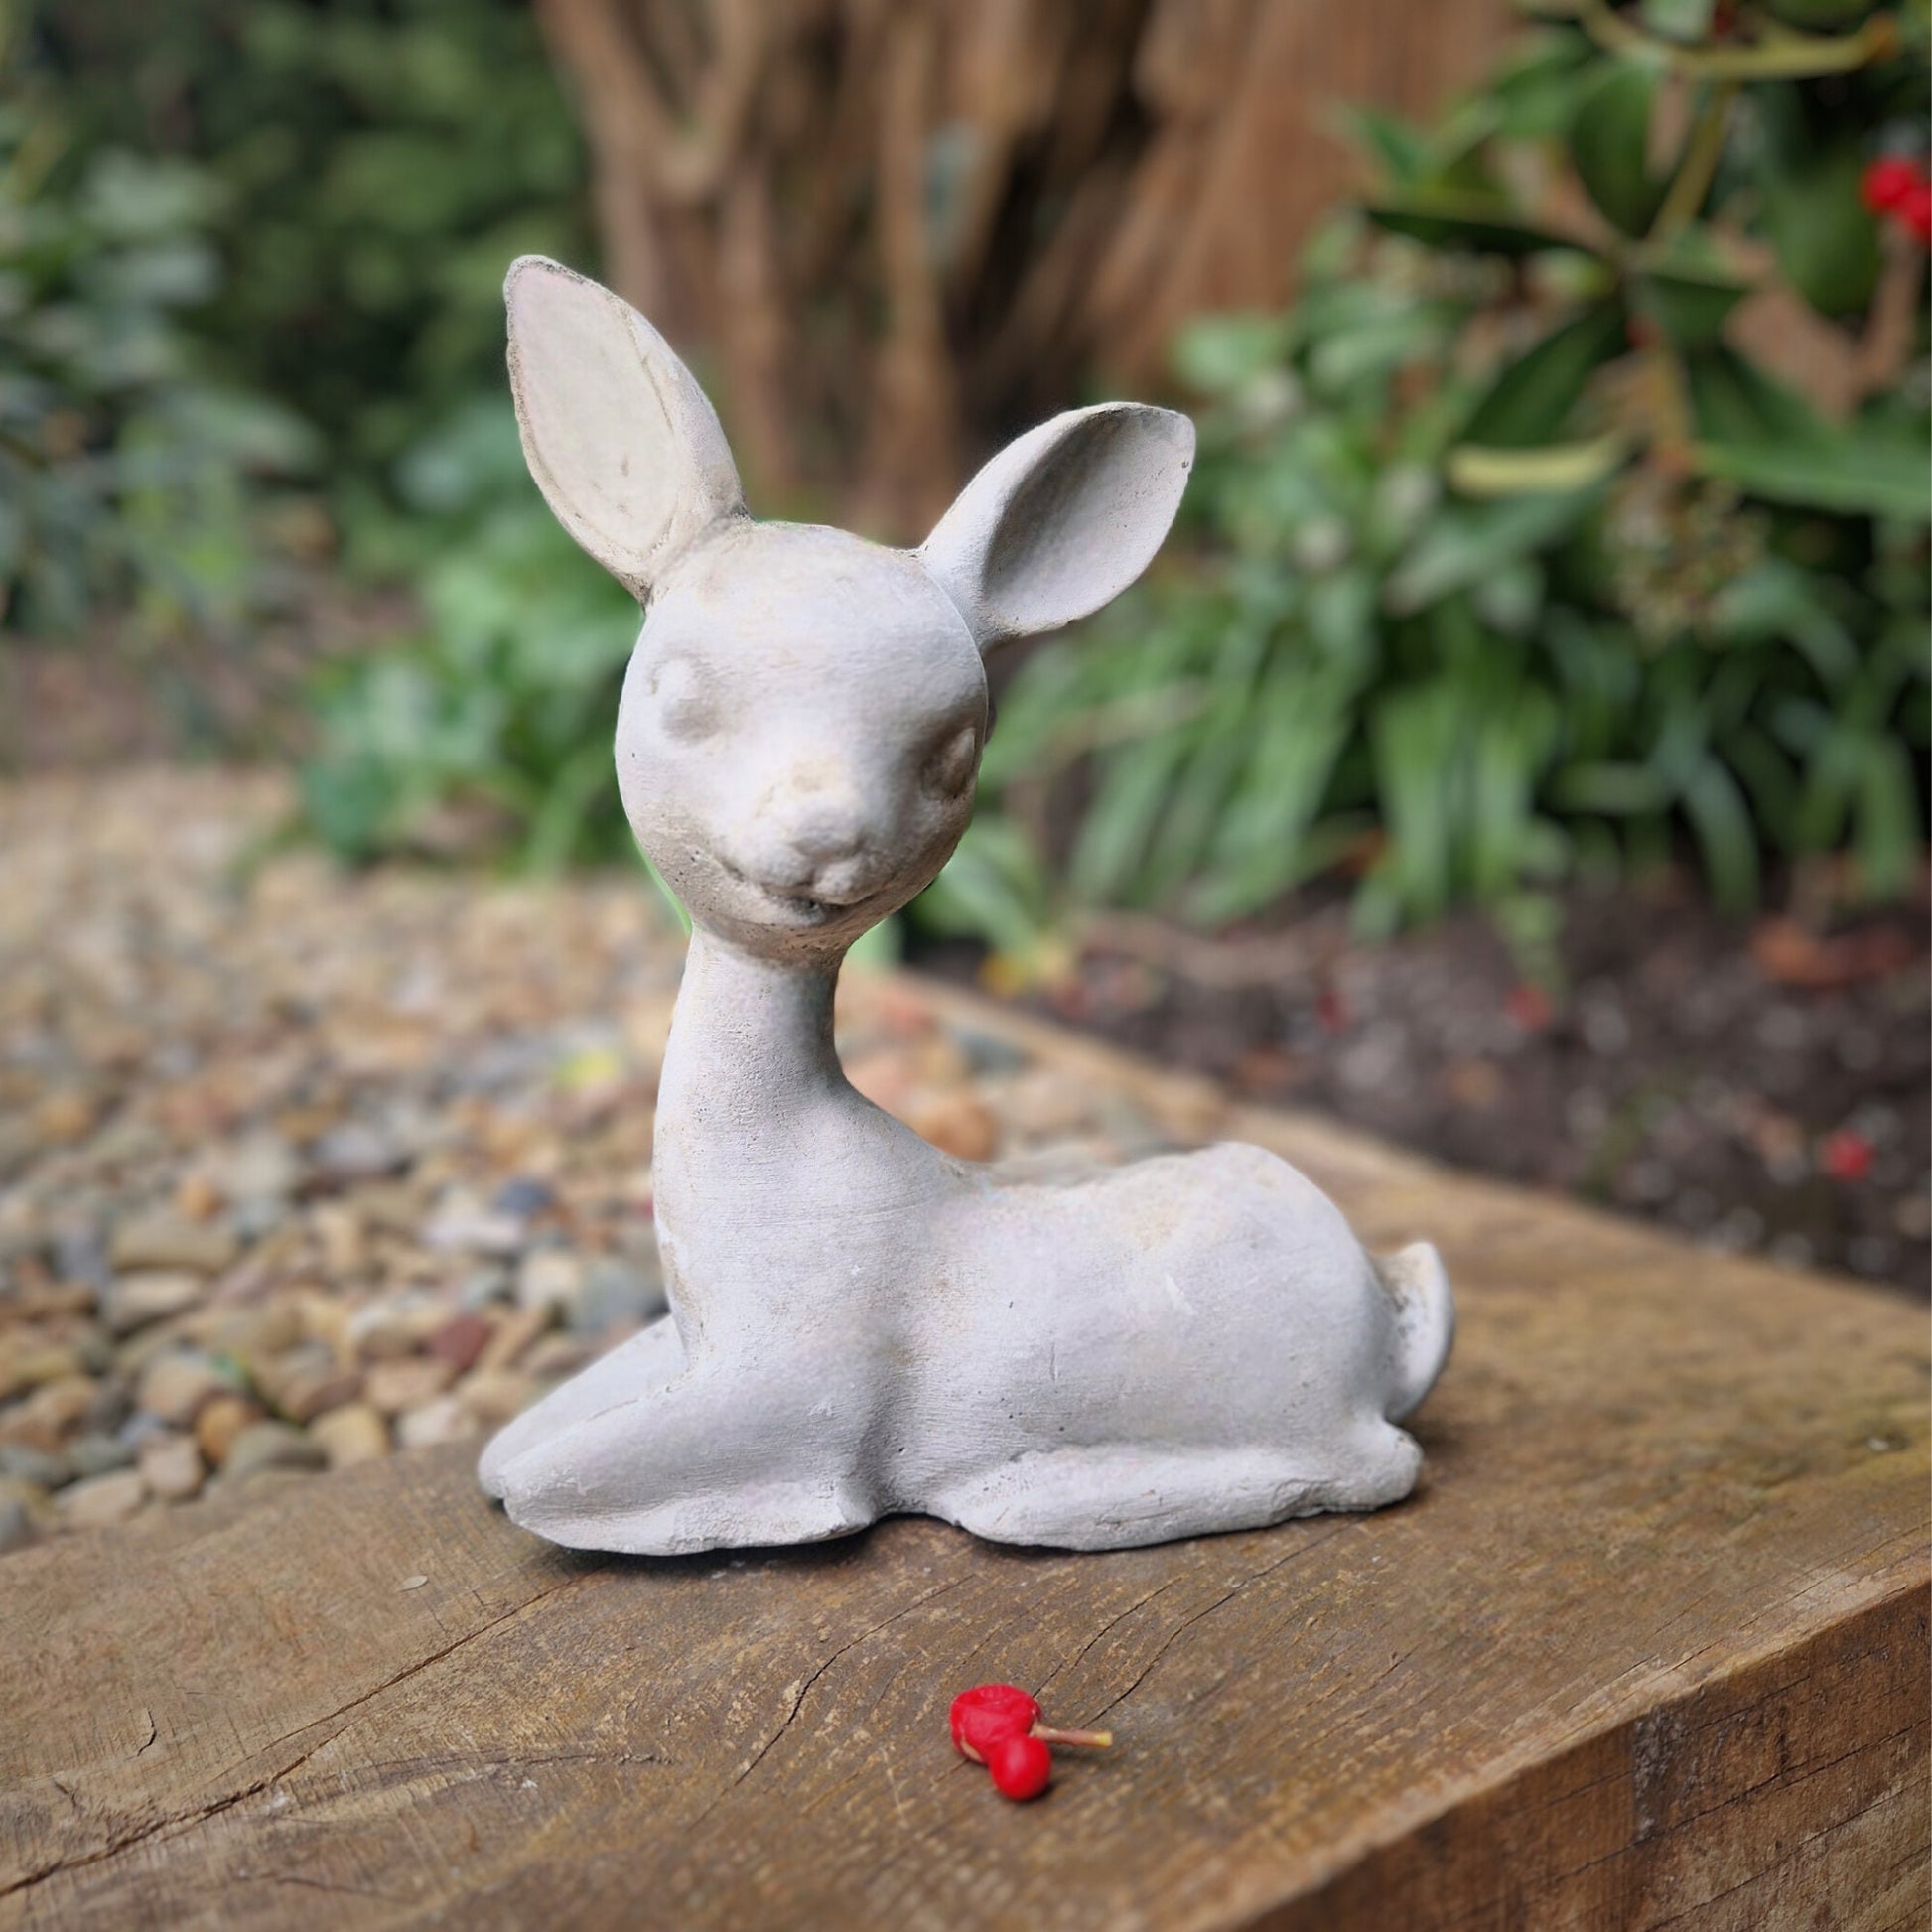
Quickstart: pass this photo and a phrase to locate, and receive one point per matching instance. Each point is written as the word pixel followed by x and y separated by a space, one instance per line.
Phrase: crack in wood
pixel 804 1690
pixel 200 1815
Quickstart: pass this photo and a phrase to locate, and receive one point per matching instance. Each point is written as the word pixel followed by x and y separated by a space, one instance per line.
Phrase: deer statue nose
pixel 827 830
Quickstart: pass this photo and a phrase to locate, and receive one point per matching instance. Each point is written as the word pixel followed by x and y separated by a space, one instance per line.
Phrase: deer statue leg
pixel 687 1468
pixel 639 1367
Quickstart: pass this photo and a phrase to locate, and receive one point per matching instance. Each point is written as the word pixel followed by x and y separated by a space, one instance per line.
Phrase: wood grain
pixel 1648 1648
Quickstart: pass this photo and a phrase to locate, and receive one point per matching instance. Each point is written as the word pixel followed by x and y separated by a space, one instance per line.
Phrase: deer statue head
pixel 803 715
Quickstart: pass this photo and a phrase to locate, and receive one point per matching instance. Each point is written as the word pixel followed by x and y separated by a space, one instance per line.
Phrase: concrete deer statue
pixel 859 1324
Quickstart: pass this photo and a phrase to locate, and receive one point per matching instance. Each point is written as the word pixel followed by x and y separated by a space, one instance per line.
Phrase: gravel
pixel 300 1167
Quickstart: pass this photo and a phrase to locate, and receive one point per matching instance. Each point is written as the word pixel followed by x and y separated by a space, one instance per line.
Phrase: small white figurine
pixel 861 1324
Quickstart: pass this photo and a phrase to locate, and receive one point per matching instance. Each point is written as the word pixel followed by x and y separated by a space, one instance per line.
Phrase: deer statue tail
pixel 1424 1321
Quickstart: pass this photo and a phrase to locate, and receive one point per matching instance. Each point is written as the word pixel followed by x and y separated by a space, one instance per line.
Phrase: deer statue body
pixel 859 1324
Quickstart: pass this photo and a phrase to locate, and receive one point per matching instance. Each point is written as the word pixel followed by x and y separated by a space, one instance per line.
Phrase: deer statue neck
pixel 764 1150
pixel 751 1049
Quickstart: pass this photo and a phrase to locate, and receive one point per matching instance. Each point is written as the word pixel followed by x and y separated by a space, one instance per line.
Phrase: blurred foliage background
pixel 1564 500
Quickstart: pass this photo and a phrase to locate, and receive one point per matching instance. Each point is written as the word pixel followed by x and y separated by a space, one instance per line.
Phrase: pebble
pixel 494 1394
pixel 483 1288
pixel 394 1326
pixel 176 1384
pixel 553 1356
pixel 615 1292
pixel 34 1497
pixel 444 1420
pixel 169 1240
pixel 270 1446
pixel 16 1525
pixel 48 1417
pixel 461 1340
pixel 172 1468
pixel 81 1256
pixel 99 1502
pixel 390 1388
pixel 27 1363
pixel 150 1295
pixel 221 1420
pixel 476 1232
pixel 353 1433
pixel 307 1381
pixel 94 1453
pixel 525 1198
pixel 549 1278
pixel 21 1462
pixel 254 1336
pixel 957 1124
pixel 356 1151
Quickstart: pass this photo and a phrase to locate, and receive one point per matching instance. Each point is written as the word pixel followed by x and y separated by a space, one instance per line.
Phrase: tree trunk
pixel 891 233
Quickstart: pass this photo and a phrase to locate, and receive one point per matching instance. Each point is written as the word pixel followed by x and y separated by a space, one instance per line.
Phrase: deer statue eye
pixel 684 704
pixel 950 764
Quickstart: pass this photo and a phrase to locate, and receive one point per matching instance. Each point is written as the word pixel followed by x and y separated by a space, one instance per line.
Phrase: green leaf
pixel 1613 789
pixel 1466 542
pixel 1770 442
pixel 1825 239
pixel 1854 475
pixel 1218 355
pixel 1689 302
pixel 1732 400
pixel 1445 218
pixel 1888 840
pixel 1529 401
pixel 1721 826
pixel 1820 16
pixel 1400 146
pixel 1477 471
pixel 1609 142
pixel 994 886
pixel 1679 20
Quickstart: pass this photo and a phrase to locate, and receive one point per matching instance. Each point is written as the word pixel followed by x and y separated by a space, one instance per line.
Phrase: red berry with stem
pixel 1022 1766
pixel 998 1726
pixel 1886 181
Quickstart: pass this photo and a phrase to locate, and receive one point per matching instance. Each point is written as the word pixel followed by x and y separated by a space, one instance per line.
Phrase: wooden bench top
pixel 1648 1648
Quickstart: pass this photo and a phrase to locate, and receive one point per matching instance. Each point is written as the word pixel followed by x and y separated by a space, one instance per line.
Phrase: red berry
pixel 1529 1006
pixel 1914 211
pixel 989 1714
pixel 1846 1156
pixel 1886 181
pixel 1022 1766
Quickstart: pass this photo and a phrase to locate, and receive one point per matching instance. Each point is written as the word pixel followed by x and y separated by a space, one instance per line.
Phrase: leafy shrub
pixel 126 472
pixel 378 163
pixel 501 707
pixel 1508 563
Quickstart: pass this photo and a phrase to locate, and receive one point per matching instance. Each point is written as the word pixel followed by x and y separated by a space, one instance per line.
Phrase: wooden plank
pixel 1648 1648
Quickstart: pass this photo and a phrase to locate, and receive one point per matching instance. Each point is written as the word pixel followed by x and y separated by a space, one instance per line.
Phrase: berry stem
pixel 1049 1734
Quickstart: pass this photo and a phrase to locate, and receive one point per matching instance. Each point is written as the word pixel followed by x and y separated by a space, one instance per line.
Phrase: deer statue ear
pixel 617 434
pixel 1062 519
